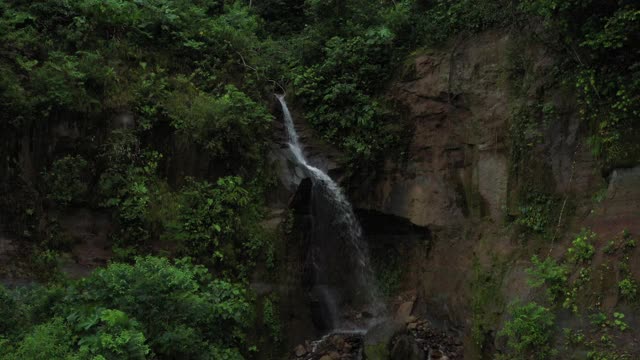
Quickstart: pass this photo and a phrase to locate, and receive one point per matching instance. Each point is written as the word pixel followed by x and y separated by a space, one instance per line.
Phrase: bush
pixel 108 334
pixel 230 127
pixel 529 332
pixel 338 93
pixel 582 250
pixel 51 340
pixel 549 273
pixel 628 288
pixel 182 312
pixel 218 224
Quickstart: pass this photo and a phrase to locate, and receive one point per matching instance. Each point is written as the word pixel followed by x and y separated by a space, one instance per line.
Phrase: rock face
pixel 458 184
pixel 457 151
pixel 620 207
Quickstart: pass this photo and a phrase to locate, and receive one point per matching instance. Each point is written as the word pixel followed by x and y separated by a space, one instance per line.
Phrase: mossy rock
pixel 378 351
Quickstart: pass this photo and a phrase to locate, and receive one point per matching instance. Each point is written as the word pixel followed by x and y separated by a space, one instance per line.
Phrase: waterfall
pixel 338 255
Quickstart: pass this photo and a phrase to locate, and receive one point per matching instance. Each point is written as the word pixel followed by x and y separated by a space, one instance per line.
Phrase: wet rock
pixel 338 346
pixel 406 348
pixel 437 355
pixel 300 351
pixel 403 314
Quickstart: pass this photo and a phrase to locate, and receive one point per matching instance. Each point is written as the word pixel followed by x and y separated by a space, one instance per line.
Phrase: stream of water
pixel 338 254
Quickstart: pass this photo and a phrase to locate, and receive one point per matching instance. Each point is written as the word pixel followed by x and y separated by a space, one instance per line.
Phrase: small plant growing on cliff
pixel 549 273
pixel 535 213
pixel 582 249
pixel 271 319
pixel 618 321
pixel 628 288
pixel 610 249
pixel 529 332
pixel 573 337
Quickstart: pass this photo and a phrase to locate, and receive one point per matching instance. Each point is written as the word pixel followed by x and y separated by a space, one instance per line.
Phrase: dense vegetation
pixel 161 108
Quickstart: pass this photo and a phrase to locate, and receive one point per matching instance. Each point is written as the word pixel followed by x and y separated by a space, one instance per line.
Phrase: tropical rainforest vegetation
pixel 146 80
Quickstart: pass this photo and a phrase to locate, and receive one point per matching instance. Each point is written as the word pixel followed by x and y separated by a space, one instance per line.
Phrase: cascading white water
pixel 362 284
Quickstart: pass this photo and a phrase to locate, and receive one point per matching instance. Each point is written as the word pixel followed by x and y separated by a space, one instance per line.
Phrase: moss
pixel 487 302
pixel 376 351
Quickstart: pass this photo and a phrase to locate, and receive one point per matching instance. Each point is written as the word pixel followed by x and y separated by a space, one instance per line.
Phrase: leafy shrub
pixel 529 332
pixel 183 313
pixel 51 340
pixel 218 223
pixel 108 334
pixel 231 127
pixel 129 189
pixel 582 250
pixel 549 273
pixel 338 93
pixel 601 32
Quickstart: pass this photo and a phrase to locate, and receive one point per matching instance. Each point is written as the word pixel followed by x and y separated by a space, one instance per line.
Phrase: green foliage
pixel 153 309
pixel 598 319
pixel 45 263
pixel 446 18
pixel 618 321
pixel 536 212
pixel 487 301
pixel 582 249
pixel 574 337
pixel 108 334
pixel 219 223
pixel 231 127
pixel 129 189
pixel 51 340
pixel 271 319
pixel 182 311
pixel 339 94
pixel 67 181
pixel 389 271
pixel 9 315
pixel 578 286
pixel 549 273
pixel 602 321
pixel 529 332
pixel 628 288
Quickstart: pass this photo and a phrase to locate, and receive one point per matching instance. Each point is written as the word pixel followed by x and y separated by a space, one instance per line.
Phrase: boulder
pixel 300 351
pixel 404 312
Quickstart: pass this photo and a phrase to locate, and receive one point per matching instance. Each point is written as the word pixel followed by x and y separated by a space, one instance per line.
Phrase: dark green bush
pixel 68 180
